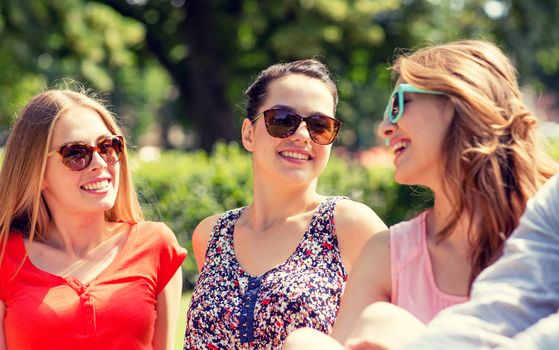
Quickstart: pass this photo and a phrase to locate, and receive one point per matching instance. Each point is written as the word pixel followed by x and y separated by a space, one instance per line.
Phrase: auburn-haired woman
pixel 457 124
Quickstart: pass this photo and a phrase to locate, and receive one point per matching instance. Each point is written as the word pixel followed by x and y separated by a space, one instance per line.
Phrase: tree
pixel 215 47
pixel 44 42
pixel 188 62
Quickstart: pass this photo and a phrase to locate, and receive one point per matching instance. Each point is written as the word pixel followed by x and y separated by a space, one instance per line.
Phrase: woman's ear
pixel 247 134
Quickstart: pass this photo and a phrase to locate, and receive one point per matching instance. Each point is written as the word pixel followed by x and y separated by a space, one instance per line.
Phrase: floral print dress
pixel 231 309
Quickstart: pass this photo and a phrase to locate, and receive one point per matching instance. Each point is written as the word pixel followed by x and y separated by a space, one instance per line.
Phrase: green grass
pixel 179 337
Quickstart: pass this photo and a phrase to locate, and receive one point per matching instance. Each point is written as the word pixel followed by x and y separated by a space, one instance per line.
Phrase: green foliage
pixel 44 42
pixel 181 189
pixel 181 325
pixel 184 62
pixel 373 186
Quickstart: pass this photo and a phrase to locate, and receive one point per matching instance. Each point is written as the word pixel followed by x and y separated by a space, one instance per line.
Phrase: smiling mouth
pixel 95 186
pixel 295 155
pixel 399 147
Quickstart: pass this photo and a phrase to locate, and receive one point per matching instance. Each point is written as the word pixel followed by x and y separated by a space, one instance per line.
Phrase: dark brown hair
pixel 311 68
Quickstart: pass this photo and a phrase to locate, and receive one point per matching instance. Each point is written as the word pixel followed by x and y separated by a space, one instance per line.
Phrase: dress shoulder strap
pixel 319 247
pixel 407 237
pixel 223 229
pixel 324 216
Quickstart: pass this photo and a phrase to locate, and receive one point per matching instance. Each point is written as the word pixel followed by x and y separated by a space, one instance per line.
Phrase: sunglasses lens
pixel 322 129
pixel 110 149
pixel 76 156
pixel 394 108
pixel 281 123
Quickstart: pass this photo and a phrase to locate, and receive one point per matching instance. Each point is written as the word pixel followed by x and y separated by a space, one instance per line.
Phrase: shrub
pixel 181 189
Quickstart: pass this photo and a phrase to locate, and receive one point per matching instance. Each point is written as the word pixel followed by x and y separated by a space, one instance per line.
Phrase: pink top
pixel 413 284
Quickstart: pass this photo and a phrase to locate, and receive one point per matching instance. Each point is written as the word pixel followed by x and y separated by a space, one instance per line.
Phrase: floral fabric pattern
pixel 231 309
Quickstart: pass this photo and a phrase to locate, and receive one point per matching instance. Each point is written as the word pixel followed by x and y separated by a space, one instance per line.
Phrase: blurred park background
pixel 174 72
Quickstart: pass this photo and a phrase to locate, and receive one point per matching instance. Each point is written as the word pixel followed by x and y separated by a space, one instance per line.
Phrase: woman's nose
pixel 386 128
pixel 97 161
pixel 302 132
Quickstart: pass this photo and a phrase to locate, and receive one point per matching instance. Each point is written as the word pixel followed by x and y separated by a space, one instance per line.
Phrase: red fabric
pixel 114 311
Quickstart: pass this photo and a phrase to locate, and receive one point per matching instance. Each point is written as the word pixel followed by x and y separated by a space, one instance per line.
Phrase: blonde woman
pixel 79 267
pixel 457 124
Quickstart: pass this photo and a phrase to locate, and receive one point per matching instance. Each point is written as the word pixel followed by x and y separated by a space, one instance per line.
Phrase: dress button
pixel 85 297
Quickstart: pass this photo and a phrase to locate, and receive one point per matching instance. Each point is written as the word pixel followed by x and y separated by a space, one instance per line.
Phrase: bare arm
pixel 369 282
pixel 201 237
pixel 168 302
pixel 2 334
pixel 355 224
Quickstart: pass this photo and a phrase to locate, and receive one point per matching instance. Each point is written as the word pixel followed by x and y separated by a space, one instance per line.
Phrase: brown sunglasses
pixel 283 122
pixel 78 155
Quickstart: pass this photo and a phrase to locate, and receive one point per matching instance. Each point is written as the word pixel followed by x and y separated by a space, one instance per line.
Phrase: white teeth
pixel 96 185
pixel 400 145
pixel 295 155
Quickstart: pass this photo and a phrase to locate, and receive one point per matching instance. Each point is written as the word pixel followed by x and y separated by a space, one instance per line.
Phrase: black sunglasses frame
pixel 313 126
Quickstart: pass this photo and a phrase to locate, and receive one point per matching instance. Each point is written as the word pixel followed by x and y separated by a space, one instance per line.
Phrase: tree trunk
pixel 199 77
pixel 209 108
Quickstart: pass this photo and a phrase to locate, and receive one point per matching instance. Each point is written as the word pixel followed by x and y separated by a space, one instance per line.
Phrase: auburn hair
pixel 492 157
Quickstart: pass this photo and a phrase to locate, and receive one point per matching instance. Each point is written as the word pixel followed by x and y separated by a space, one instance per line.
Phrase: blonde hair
pixel 492 158
pixel 22 208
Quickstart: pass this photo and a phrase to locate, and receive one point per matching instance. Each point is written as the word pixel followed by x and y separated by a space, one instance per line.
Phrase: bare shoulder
pixel 203 230
pixel 353 215
pixel 378 245
pixel 376 251
pixel 355 224
pixel 201 237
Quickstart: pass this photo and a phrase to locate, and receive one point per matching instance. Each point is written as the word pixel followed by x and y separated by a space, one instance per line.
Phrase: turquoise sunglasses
pixel 395 108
